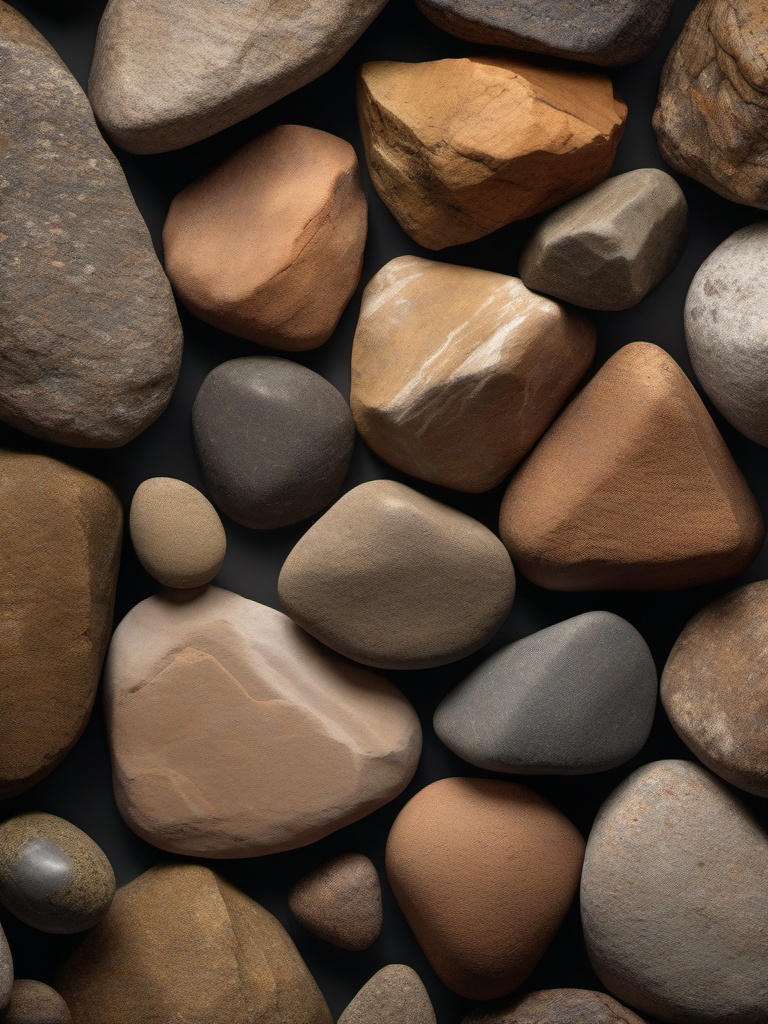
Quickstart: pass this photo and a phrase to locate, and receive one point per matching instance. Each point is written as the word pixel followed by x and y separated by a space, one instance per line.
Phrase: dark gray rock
pixel 557 1006
pixel 394 995
pixel 6 970
pixel 32 1002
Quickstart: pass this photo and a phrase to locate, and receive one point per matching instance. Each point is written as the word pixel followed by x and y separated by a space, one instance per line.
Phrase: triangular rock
pixel 394 995
pixel 340 902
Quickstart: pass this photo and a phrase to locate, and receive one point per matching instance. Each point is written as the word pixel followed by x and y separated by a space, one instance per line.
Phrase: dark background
pixel 80 789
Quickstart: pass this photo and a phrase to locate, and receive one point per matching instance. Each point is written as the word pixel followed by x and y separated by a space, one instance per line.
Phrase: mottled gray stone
pixel 6 970
pixel 32 1002
pixel 394 995
pixel 557 1006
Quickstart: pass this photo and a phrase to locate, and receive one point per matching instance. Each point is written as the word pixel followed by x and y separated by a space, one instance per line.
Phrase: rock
pixel 575 698
pixel 274 440
pixel 181 944
pixel 60 532
pixel 233 734
pixel 609 248
pixel 176 533
pixel 90 340
pixel 32 1002
pixel 457 372
pixel 443 159
pixel 394 579
pixel 632 488
pixel 269 244
pixel 340 902
pixel 6 971
pixel 394 995
pixel 674 898
pixel 167 75
pixel 557 1006
pixel 485 872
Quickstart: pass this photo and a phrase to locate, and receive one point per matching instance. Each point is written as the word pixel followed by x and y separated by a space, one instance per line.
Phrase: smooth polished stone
pixel 394 995
pixel 340 902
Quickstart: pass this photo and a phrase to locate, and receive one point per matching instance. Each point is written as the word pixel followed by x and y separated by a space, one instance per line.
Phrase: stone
pixel 711 120
pixel 340 902
pixel 457 372
pixel 6 971
pixel 484 872
pixel 32 1002
pixel 60 535
pixel 674 898
pixel 575 698
pixel 269 244
pixel 181 944
pixel 442 156
pixel 176 533
pixel 725 327
pixel 609 248
pixel 233 734
pixel 557 1006
pixel 632 488
pixel 90 339
pixel 394 995
pixel 395 579
pixel 273 438
pixel 167 75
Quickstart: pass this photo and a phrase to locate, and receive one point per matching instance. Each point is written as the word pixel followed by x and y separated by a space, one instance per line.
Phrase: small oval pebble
pixel 340 902
pixel 32 1002
pixel 394 995
pixel 557 1006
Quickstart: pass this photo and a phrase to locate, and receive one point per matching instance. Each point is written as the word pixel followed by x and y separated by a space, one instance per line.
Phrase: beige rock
pixel 457 372
pixel 394 995
pixel 340 902
pixel 557 1006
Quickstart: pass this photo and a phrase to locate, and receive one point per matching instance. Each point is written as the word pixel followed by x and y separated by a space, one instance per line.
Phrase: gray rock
pixel 90 340
pixel 394 995
pixel 574 698
pixel 674 898
pixel 32 1002
pixel 6 970
pixel 557 1006
pixel 273 438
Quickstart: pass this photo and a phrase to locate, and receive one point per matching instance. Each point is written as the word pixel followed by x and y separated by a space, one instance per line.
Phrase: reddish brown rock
pixel 340 902
pixel 557 1006
pixel 32 1002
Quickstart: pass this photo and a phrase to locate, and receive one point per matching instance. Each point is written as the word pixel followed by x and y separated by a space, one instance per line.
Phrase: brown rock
pixel 459 148
pixel 60 535
pixel 181 944
pixel 269 244
pixel 340 902
pixel 6 970
pixel 485 872
pixel 394 995
pixel 457 372
pixel 557 1006
pixel 32 1002
pixel 632 488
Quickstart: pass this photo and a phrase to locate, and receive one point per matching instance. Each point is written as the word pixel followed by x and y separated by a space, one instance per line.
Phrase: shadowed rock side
pixel 6 971
pixel 557 1006
pixel 32 1002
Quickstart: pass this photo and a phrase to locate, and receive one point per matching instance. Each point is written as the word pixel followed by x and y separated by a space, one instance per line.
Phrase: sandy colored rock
pixel 60 532
pixel 6 971
pixel 485 872
pixel 632 488
pixel 457 372
pixel 340 901
pixel 557 1006
pixel 32 1002
pixel 394 995
pixel 459 148
pixel 181 944
pixel 269 244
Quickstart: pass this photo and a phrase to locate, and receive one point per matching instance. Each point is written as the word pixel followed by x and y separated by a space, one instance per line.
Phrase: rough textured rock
pixel 176 533
pixel 181 944
pixel 60 535
pixel 269 244
pixel 609 248
pixel 457 372
pixel 340 902
pixel 32 1002
pixel 674 898
pixel 6 971
pixel 557 1006
pixel 394 579
pixel 166 75
pixel 90 339
pixel 482 924
pixel 632 488
pixel 273 438
pixel 394 995
pixel 574 698
pixel 712 116
pixel 443 158
pixel 233 734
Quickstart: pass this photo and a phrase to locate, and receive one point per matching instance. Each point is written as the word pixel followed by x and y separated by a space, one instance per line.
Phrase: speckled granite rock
pixel 557 1006
pixel 32 1002
pixel 340 901
pixel 394 995
pixel 6 971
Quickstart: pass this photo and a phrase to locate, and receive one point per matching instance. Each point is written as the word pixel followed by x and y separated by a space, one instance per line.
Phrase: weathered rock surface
pixel 632 488
pixel 181 944
pixel 557 1006
pixel 32 1002
pixel 394 579
pixel 674 898
pixel 394 995
pixel 269 244
pixel 340 902
pixel 443 158
pixel 457 372
pixel 485 872
pixel 609 248
pixel 6 971
pixel 89 335
pixel 60 533
pixel 233 734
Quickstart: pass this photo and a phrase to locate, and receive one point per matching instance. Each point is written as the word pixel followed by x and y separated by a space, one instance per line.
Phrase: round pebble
pixel 32 1002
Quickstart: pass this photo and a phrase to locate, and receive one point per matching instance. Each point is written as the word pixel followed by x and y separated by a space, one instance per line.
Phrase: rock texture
pixel 6 971
pixel 632 488
pixel 269 244
pixel 557 1006
pixel 609 248
pixel 457 372
pixel 394 579
pixel 443 158
pixel 60 535
pixel 181 944
pixel 274 440
pixel 394 995
pixel 32 1002
pixel 90 340
pixel 674 898
pixel 574 698
pixel 340 902
pixel 485 872
pixel 234 735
